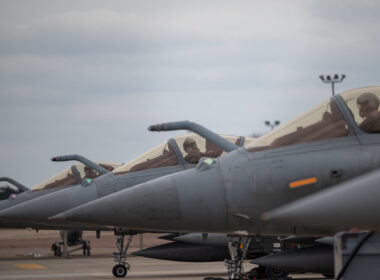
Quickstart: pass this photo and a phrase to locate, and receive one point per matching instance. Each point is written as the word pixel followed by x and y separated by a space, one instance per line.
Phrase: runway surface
pixel 100 268
pixel 26 255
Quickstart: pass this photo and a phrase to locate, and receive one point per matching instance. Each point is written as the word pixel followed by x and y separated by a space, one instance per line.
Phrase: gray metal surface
pixel 180 251
pixel 315 259
pixel 351 204
pixel 214 239
pixel 258 245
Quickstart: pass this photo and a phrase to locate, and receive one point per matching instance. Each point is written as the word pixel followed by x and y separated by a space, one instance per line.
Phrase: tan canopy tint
pixel 67 178
pixel 162 155
pixel 323 122
pixel 364 105
pixel 192 147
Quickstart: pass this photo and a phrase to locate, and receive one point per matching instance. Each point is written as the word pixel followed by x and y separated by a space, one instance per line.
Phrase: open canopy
pixel 67 178
pixel 191 148
pixel 326 121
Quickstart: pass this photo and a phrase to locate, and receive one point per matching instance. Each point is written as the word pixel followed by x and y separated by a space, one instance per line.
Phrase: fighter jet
pixel 79 173
pixel 332 143
pixel 76 174
pixel 176 154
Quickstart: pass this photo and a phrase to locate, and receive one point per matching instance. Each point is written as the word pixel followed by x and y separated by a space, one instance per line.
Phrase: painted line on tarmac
pixel 30 266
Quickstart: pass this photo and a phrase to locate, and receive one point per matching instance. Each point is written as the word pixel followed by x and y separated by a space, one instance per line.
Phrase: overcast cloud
pixel 89 77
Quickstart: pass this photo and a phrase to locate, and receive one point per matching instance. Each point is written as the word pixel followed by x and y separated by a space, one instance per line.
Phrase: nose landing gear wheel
pixel 119 270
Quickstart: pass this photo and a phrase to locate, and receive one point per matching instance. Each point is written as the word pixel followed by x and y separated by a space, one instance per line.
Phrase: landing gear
pixel 119 270
pixel 122 267
pixel 238 247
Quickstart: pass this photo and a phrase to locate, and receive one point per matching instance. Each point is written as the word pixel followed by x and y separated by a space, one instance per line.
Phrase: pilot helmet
pixel 90 173
pixel 189 142
pixel 367 102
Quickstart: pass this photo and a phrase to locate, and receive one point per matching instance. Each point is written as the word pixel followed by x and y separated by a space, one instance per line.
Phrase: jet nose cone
pixel 190 200
pixel 152 205
pixel 35 210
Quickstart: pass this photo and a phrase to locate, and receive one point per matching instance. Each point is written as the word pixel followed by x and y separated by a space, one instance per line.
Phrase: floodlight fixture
pixel 335 79
pixel 272 125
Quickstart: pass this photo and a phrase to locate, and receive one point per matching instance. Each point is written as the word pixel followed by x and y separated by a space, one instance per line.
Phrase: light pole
pixel 335 79
pixel 272 126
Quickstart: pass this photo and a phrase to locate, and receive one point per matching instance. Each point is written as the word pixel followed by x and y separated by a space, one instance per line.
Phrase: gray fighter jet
pixel 334 142
pixel 79 173
pixel 76 174
pixel 180 153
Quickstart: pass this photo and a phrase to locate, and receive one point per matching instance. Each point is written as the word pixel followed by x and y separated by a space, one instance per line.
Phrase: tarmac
pixel 26 255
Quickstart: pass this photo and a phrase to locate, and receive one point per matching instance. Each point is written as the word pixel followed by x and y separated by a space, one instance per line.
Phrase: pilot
pixel 368 104
pixel 193 152
pixel 89 173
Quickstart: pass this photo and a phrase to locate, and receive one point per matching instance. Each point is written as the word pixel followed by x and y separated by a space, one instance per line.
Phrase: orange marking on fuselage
pixel 302 182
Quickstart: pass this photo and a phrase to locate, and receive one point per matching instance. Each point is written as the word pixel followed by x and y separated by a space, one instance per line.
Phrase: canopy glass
pixel 322 122
pixel 67 178
pixel 191 146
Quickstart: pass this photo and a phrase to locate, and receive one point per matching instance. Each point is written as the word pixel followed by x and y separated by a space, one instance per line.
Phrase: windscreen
pixel 160 156
pixel 192 148
pixel 323 122
pixel 67 178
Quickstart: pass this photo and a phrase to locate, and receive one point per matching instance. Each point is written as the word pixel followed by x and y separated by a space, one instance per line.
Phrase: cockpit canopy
pixel 191 146
pixel 67 178
pixel 326 121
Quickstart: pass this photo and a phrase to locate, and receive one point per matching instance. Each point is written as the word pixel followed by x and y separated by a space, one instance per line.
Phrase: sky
pixel 89 77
